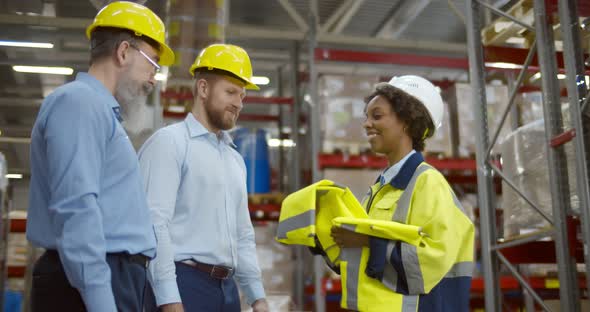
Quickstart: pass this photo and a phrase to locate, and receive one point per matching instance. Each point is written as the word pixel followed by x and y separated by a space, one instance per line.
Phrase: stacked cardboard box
pixel 460 96
pixel 276 263
pixel 342 109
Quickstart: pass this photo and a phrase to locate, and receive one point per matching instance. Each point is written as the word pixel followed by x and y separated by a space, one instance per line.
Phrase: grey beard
pixel 131 99
pixel 131 107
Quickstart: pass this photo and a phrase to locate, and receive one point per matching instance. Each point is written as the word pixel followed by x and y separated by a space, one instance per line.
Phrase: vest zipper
pixel 371 197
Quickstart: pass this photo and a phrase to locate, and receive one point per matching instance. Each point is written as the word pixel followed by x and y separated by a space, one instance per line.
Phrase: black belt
pixel 140 259
pixel 216 271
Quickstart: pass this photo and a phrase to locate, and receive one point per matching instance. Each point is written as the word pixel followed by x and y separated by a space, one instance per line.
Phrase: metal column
pixel 577 89
pixel 491 250
pixel 487 210
pixel 296 169
pixel 315 133
pixel 568 290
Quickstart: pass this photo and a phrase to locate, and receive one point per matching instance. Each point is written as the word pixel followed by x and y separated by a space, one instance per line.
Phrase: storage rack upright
pixel 555 138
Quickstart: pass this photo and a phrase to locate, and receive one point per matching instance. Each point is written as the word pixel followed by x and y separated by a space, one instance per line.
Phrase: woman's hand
pixel 349 239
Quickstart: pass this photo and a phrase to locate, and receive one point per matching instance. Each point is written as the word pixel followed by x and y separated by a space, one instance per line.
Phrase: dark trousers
pixel 200 292
pixel 51 290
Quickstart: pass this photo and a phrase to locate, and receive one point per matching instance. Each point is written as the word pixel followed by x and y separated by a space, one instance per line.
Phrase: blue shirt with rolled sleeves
pixel 86 197
pixel 196 187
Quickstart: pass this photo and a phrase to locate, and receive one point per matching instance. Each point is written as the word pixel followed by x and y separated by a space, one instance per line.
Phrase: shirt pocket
pixel 385 207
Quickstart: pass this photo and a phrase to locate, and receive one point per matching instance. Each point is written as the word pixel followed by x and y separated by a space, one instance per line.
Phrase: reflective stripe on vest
pixel 353 258
pixel 301 220
pixel 409 252
pixel 296 222
pixel 409 255
pixel 461 269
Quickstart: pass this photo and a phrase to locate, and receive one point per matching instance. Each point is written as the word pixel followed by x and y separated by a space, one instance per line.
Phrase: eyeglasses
pixel 154 63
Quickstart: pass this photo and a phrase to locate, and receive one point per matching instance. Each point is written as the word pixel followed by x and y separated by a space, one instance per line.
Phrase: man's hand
pixel 349 239
pixel 172 307
pixel 260 305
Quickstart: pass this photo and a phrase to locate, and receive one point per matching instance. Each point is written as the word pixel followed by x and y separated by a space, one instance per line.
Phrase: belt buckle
pixel 140 259
pixel 221 272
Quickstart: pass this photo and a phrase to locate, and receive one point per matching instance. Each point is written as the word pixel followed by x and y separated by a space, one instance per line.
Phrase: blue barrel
pixel 252 145
pixel 12 301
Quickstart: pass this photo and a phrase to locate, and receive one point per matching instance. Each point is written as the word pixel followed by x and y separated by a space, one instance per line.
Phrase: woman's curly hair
pixel 417 122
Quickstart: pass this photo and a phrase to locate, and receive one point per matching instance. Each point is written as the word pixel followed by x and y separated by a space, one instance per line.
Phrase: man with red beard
pixel 86 204
pixel 196 188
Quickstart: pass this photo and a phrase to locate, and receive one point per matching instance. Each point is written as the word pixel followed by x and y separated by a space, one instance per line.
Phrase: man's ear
pixel 203 88
pixel 122 53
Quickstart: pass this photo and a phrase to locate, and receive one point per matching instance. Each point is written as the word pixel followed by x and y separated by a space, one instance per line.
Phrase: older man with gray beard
pixel 87 205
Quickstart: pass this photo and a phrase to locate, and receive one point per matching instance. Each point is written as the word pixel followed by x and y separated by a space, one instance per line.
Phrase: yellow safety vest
pixel 430 240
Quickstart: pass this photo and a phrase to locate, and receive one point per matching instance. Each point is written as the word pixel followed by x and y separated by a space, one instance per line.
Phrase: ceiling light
pixel 14 176
pixel 538 75
pixel 25 44
pixel 260 80
pixel 278 142
pixel 176 109
pixel 503 65
pixel 43 70
pixel 161 77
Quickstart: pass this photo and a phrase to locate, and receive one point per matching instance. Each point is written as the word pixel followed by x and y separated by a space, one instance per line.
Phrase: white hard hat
pixel 425 92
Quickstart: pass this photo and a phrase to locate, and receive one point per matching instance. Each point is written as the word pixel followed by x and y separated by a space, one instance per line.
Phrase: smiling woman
pixel 399 273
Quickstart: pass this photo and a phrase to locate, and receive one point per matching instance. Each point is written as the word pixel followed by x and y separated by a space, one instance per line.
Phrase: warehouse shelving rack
pixel 493 252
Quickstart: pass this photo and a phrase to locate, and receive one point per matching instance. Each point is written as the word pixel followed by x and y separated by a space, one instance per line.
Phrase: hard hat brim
pixel 251 86
pixel 166 54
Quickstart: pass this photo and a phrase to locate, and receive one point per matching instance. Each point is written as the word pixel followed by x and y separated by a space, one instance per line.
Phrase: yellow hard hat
pixel 137 18
pixel 226 57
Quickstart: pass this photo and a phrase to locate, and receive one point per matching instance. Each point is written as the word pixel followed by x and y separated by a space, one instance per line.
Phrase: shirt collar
pixel 98 86
pixel 195 129
pixel 392 171
pixel 402 179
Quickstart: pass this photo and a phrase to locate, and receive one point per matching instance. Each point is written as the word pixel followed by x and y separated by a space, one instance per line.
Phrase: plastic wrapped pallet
pixel 524 161
pixel 342 109
pixel 531 106
pixel 497 100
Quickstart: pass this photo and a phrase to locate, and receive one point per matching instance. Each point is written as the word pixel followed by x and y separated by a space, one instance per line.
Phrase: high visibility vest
pixel 429 242
pixel 300 223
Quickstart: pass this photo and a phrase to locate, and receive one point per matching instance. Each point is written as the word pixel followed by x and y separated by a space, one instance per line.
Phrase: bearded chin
pixel 216 117
pixel 131 99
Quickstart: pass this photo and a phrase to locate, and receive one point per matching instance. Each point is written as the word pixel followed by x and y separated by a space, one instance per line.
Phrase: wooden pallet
pixel 502 30
pixel 270 198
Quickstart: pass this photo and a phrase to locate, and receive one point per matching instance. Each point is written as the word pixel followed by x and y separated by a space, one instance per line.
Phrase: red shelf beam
pixel 243 117
pixel 379 162
pixel 15 271
pixel 539 252
pixel 247 100
pixel 18 225
pixel 492 54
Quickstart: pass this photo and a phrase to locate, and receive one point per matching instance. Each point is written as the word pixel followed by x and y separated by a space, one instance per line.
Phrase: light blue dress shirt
pixel 392 171
pixel 86 198
pixel 196 189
